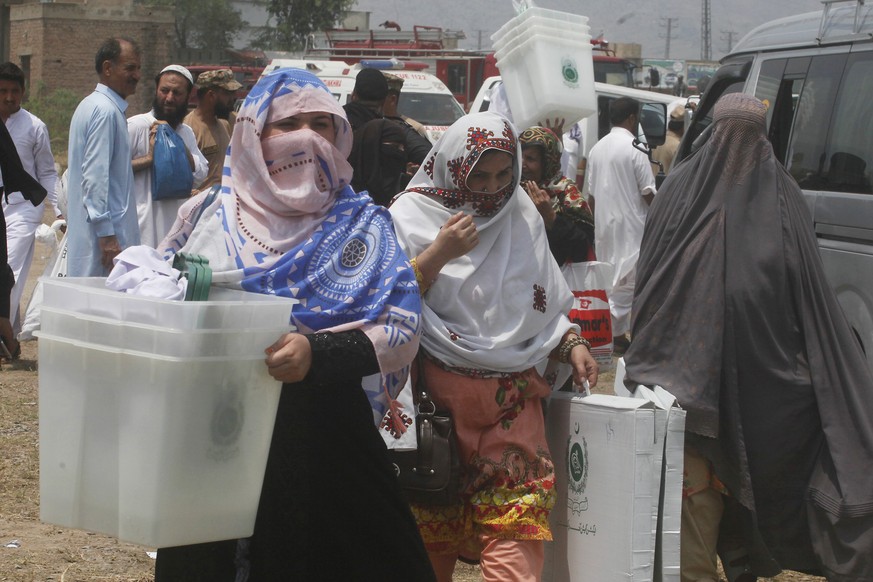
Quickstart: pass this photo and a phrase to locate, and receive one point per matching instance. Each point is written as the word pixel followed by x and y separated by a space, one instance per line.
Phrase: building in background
pixel 55 43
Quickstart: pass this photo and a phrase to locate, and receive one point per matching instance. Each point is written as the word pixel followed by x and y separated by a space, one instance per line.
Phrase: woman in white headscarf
pixel 495 306
pixel 286 222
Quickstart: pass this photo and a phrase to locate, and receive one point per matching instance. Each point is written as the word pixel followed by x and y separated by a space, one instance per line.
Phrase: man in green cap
pixel 216 95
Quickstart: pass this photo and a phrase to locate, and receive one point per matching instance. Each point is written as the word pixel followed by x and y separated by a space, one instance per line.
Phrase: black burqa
pixel 733 314
pixel 15 179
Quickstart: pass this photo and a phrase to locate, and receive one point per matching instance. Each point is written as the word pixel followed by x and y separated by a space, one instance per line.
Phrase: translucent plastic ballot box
pixel 155 416
pixel 544 58
pixel 226 309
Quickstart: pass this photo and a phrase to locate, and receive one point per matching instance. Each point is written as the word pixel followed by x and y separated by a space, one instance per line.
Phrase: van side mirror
pixel 653 119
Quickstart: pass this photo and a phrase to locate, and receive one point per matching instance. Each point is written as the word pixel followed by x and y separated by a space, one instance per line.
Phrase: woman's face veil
pixel 288 92
pixel 447 167
pixel 296 172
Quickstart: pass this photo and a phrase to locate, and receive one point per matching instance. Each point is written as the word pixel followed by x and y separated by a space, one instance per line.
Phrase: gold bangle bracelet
pixel 418 276
pixel 567 347
pixel 585 342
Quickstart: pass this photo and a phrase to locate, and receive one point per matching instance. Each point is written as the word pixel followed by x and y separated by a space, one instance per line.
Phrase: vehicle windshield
pixel 613 72
pixel 430 108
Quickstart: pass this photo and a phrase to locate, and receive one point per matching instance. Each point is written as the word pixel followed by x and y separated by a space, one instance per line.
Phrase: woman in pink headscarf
pixel 286 222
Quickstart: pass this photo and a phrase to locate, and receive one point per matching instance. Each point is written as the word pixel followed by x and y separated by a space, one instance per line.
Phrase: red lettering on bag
pixel 591 313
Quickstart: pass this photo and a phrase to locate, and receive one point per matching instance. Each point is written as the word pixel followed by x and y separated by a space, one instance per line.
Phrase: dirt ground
pixel 31 551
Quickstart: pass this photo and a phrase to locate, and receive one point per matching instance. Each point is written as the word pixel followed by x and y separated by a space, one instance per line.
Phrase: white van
pixel 424 97
pixel 815 71
pixel 653 118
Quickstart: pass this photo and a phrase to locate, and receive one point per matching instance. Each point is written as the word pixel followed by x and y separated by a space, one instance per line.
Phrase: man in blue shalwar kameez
pixel 101 218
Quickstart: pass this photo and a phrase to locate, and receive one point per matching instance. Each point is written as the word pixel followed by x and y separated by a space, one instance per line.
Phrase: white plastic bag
pixel 522 5
pixel 56 266
pixel 591 284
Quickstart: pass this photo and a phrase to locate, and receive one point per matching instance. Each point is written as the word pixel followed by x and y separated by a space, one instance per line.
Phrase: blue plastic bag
pixel 171 173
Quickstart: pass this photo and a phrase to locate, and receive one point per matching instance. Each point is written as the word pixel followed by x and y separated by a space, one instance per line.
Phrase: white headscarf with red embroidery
pixel 502 307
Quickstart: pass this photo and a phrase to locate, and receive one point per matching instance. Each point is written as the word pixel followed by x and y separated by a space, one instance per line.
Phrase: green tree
pixel 56 110
pixel 208 24
pixel 295 20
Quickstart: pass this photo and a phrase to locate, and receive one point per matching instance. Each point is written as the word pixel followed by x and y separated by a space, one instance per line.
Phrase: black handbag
pixel 431 474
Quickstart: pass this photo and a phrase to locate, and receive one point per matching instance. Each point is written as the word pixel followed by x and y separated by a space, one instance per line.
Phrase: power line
pixel 706 33
pixel 668 23
pixel 728 36
pixel 479 33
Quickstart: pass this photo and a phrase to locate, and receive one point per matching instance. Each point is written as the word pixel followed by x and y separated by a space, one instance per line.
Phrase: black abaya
pixel 331 507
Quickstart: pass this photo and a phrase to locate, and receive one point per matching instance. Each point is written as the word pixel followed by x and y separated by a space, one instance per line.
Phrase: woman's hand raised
pixel 542 200
pixel 456 238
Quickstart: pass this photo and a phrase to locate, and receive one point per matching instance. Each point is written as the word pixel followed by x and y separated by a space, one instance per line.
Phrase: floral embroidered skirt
pixel 509 477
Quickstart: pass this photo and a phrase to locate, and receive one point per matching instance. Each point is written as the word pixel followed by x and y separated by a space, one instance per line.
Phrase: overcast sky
pixel 643 22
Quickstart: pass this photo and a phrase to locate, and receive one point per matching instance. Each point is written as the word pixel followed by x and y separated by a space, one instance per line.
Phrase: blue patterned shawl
pixel 331 249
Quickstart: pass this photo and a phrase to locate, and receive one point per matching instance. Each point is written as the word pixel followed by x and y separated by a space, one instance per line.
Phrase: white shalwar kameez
pixel 157 216
pixel 618 177
pixel 22 218
pixel 573 149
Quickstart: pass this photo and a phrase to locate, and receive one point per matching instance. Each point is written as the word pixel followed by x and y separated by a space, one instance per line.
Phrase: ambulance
pixel 424 97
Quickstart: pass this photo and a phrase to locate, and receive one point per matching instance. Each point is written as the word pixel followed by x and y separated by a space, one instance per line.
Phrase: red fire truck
pixel 463 71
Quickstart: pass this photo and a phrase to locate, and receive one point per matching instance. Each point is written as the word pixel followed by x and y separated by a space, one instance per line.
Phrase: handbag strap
pixel 421 394
pixel 424 422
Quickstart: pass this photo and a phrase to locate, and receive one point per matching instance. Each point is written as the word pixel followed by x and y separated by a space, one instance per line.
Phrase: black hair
pixel 11 72
pixel 110 50
pixel 622 108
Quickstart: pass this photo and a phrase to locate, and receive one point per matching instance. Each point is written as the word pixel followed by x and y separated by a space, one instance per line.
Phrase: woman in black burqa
pixel 734 315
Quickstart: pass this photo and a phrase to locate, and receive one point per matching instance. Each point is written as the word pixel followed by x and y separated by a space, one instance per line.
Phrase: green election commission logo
pixel 577 468
pixel 570 72
pixel 577 465
pixel 577 472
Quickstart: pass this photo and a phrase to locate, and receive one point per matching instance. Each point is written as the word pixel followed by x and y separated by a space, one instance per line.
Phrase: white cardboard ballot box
pixel 670 457
pixel 603 448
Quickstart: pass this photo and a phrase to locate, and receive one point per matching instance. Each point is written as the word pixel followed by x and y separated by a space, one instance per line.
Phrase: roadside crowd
pixel 441 264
